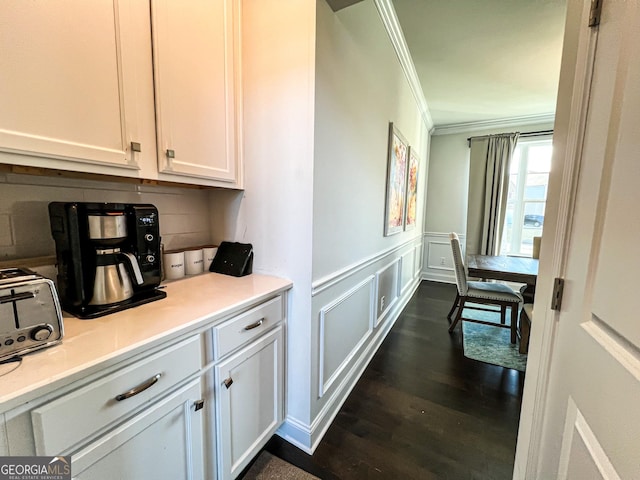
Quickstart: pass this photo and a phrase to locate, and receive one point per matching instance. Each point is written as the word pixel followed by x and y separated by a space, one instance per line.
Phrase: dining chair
pixel 485 293
pixel 528 292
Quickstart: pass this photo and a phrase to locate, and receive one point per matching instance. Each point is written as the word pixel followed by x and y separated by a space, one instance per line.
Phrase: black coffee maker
pixel 108 256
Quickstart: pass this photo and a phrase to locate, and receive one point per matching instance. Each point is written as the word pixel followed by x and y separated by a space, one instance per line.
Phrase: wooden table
pixel 511 269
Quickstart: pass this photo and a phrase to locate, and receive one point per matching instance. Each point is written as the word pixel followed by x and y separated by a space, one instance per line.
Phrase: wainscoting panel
pixel 345 325
pixel 407 271
pixel 440 257
pixel 438 264
pixel 387 291
pixel 417 266
pixel 350 321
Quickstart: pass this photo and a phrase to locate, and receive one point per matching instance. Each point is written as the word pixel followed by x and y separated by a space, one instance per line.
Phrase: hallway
pixel 421 409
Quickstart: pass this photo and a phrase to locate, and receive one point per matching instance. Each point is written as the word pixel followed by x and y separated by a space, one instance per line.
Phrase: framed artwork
pixel 412 190
pixel 396 182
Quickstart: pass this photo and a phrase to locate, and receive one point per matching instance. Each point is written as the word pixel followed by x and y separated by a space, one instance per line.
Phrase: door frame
pixel 576 73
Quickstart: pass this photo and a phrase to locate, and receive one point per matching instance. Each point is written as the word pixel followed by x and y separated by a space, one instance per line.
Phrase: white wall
pixel 274 213
pixel 361 279
pixel 319 90
pixel 360 88
pixel 447 194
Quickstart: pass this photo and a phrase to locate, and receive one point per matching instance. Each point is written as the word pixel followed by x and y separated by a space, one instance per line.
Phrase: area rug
pixel 268 467
pixel 490 344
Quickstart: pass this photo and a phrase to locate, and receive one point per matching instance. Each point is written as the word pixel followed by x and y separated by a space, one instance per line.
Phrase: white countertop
pixel 89 345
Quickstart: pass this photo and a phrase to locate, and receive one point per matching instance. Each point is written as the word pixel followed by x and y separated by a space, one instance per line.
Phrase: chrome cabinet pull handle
pixel 171 153
pixel 140 388
pixel 228 382
pixel 254 325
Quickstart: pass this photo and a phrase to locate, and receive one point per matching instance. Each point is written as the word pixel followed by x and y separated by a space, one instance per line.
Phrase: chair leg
pixel 455 304
pixel 458 315
pixel 503 314
pixel 514 322
pixel 525 329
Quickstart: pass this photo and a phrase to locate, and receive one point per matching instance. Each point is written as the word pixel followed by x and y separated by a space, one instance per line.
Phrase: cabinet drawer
pixel 241 329
pixel 66 421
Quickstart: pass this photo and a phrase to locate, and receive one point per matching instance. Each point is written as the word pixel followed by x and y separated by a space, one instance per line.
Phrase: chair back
pixel 458 264
pixel 536 247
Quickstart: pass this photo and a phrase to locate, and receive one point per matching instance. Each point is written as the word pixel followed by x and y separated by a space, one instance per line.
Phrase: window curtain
pixel 488 188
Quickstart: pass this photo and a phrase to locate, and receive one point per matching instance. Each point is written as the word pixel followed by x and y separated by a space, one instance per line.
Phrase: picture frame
pixel 395 210
pixel 411 202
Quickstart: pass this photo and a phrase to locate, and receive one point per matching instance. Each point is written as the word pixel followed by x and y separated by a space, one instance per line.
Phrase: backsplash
pixel 24 217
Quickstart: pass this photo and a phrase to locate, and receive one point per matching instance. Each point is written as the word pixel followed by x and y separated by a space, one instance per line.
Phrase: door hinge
pixel 558 289
pixel 594 13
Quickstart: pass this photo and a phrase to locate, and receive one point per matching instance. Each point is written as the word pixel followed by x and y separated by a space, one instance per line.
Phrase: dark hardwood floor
pixel 421 409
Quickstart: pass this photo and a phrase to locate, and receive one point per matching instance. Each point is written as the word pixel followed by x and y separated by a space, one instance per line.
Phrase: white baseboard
pixel 296 434
pixel 443 277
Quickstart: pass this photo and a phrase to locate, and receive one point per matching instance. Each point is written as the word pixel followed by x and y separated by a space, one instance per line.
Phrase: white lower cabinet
pixel 249 402
pixel 164 441
pixel 199 408
pixel 142 421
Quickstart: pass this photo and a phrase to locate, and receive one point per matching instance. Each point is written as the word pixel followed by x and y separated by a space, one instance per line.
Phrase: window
pixel 526 200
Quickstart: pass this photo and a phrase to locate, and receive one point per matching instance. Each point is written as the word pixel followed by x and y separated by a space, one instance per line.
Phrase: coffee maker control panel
pixel 147 242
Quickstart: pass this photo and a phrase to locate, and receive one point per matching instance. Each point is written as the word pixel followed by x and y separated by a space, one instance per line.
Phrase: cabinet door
pixel 250 401
pixel 163 441
pixel 62 94
pixel 194 57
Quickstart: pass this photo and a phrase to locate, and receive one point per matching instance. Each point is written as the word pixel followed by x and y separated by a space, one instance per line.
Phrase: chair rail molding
pixel 328 281
pixel 443 235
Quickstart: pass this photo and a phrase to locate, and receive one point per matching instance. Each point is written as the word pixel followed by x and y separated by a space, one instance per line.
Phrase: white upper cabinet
pixel 195 51
pixel 77 88
pixel 67 90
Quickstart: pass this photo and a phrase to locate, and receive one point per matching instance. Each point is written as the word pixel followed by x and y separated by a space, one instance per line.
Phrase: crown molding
pixel 492 124
pixel 392 26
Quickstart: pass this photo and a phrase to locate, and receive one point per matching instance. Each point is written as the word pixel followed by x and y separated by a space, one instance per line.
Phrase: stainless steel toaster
pixel 30 314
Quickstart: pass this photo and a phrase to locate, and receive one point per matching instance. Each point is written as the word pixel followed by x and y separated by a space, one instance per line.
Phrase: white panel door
pixel 62 92
pixel 194 49
pixel 592 424
pixel 249 387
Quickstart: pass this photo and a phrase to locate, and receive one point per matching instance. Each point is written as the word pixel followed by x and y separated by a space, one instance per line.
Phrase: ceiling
pixel 483 60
